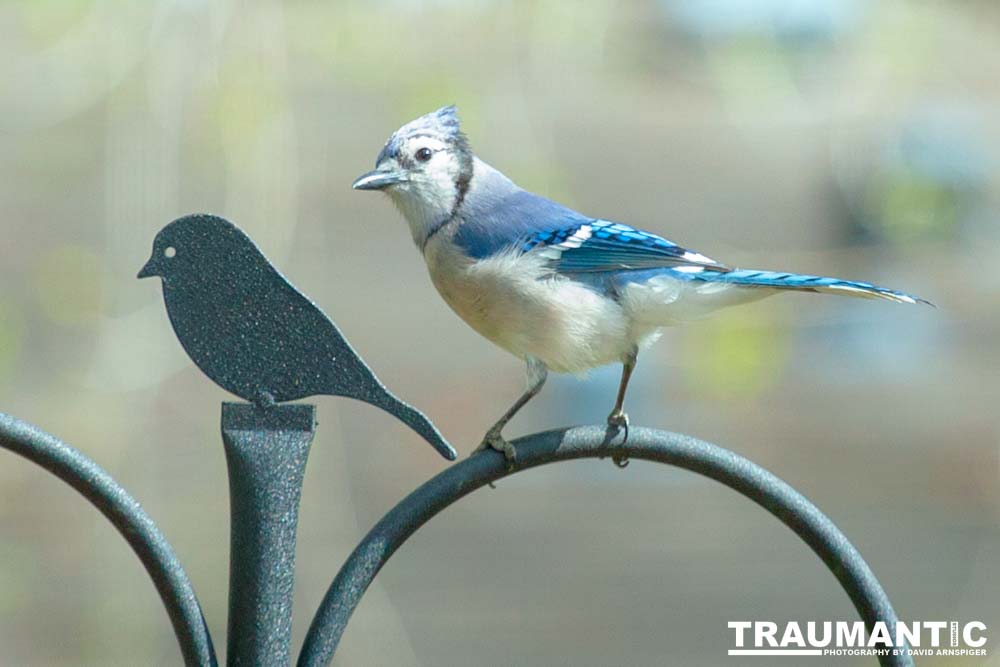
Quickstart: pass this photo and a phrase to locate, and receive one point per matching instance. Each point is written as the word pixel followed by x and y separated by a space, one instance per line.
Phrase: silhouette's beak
pixel 379 179
pixel 148 270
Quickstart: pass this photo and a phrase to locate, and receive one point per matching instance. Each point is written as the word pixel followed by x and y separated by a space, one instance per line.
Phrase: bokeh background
pixel 839 137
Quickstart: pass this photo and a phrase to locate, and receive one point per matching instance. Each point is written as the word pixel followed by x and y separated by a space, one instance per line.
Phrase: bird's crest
pixel 442 124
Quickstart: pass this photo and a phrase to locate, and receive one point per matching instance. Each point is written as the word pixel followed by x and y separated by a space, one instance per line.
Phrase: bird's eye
pixel 423 154
pixel 169 252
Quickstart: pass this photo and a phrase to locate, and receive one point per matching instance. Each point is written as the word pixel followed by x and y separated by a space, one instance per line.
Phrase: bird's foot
pixel 494 440
pixel 619 420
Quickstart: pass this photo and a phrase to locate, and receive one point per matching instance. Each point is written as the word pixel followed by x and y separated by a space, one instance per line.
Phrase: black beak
pixel 148 270
pixel 378 179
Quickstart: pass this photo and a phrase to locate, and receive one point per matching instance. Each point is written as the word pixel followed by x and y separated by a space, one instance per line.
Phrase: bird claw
pixel 619 420
pixel 621 461
pixel 494 440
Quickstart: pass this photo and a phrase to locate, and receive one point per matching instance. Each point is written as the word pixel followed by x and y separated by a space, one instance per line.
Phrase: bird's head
pixel 195 245
pixel 425 168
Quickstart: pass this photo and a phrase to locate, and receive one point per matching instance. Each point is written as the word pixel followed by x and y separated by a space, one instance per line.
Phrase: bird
pixel 252 333
pixel 563 291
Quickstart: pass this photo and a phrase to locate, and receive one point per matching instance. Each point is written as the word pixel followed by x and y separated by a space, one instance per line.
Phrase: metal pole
pixel 266 452
pixel 729 468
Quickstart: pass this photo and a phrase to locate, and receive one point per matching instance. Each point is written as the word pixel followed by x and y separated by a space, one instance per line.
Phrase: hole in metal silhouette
pixel 252 332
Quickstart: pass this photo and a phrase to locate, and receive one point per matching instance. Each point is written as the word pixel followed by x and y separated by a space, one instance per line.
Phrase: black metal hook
pixel 125 514
pixel 722 465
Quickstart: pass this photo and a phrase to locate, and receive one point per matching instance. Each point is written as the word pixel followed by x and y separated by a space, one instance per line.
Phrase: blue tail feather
pixel 794 281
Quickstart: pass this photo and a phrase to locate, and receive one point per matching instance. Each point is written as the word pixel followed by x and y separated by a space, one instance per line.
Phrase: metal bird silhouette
pixel 252 332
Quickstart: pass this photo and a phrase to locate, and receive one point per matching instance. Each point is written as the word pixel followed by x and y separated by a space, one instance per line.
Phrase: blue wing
pixel 599 246
pixel 502 216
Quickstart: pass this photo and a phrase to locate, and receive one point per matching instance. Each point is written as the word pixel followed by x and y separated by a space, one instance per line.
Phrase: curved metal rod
pixel 736 472
pixel 125 513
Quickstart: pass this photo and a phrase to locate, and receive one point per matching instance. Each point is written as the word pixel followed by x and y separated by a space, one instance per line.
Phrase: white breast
pixel 515 302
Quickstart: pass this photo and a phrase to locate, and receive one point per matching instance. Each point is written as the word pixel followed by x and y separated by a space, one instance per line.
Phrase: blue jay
pixel 561 290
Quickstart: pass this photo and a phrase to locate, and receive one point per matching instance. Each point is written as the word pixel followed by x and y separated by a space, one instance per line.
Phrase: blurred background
pixel 841 137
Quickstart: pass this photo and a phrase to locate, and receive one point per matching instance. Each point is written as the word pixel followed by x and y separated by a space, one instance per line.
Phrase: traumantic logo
pixel 850 638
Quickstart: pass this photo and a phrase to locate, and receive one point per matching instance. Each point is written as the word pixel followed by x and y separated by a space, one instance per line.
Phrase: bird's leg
pixel 537 373
pixel 618 418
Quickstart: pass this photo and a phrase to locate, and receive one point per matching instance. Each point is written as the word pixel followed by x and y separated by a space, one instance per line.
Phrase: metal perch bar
pixel 128 517
pixel 736 472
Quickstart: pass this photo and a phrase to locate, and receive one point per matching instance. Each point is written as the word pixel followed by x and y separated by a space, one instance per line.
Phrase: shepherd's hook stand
pixel 267 452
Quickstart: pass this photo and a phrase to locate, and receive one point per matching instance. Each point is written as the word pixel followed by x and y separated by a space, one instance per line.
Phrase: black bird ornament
pixel 252 332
